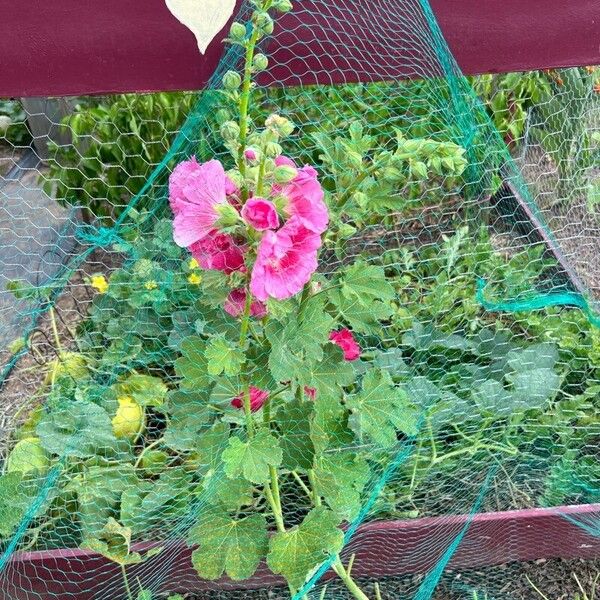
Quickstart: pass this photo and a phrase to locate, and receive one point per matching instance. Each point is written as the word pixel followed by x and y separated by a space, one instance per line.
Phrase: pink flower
pixel 195 191
pixel 250 154
pixel 260 214
pixel 285 262
pixel 345 340
pixel 305 197
pixel 236 303
pixel 219 252
pixel 257 398
pixel 284 161
pixel 310 392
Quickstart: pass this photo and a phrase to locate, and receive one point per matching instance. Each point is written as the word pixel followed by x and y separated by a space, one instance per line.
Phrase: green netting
pixel 306 340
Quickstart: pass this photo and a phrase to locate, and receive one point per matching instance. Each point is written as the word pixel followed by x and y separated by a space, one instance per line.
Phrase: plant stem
pixel 304 487
pixel 126 582
pixel 274 500
pixel 353 588
pixel 243 334
pixel 312 481
pixel 148 447
pixel 55 330
pixel 244 103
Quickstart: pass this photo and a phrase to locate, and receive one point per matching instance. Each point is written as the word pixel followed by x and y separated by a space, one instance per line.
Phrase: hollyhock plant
pixel 257 398
pixel 345 340
pixel 260 214
pixel 236 304
pixel 195 193
pixel 285 261
pixel 305 197
pixel 219 252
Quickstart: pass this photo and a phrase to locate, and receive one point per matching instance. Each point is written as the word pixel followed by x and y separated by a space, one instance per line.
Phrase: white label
pixel 205 18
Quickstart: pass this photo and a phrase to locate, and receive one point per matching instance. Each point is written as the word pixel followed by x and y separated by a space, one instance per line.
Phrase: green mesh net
pixel 321 330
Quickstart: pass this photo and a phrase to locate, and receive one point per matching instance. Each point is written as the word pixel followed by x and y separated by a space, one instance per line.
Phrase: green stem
pixel 155 443
pixel 353 588
pixel 272 494
pixel 126 582
pixel 312 481
pixel 55 330
pixel 261 176
pixel 244 103
pixel 304 487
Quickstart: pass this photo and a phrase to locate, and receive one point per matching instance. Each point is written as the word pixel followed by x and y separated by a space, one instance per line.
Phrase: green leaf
pixel 189 415
pixel 329 426
pixel 295 553
pixel 340 478
pixel 329 375
pixel 16 495
pixel 295 441
pixel 253 457
pixel 366 283
pixel 380 410
pixel 78 429
pixel 536 356
pixel 192 366
pixel 223 357
pixel 363 318
pixel 144 389
pixel 226 545
pixel 532 389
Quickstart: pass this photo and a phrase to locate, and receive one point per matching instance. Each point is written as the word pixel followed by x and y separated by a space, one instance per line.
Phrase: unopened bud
pixel 232 80
pixel 230 131
pixel 265 23
pixel 281 125
pixel 251 154
pixel 285 174
pixel 228 215
pixel 272 150
pixel 237 32
pixel 261 62
pixel 283 6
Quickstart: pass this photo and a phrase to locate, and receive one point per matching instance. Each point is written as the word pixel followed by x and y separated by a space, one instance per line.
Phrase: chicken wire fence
pixel 310 331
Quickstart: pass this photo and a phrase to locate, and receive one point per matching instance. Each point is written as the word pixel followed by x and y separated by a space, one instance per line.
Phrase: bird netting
pixel 326 329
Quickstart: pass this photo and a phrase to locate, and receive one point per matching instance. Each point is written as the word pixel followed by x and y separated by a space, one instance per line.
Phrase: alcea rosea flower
pixel 257 398
pixel 219 252
pixel 195 193
pixel 236 304
pixel 305 197
pixel 285 261
pixel 345 340
pixel 260 214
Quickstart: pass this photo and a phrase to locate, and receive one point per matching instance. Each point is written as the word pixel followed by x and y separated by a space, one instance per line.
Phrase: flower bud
pixel 232 80
pixel 230 131
pixel 265 23
pixel 285 174
pixel 273 149
pixel 228 215
pixel 251 154
pixel 237 32
pixel 283 6
pixel 281 125
pixel 261 62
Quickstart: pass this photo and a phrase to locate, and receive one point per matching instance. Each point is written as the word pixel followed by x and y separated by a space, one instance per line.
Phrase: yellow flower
pixel 129 418
pixel 99 283
pixel 151 285
pixel 193 264
pixel 195 279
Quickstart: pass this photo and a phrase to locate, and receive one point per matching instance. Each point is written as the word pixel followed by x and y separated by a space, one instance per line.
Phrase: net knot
pixel 97 236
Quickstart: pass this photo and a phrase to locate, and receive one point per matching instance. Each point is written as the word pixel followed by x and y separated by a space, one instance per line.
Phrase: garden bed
pixel 383 549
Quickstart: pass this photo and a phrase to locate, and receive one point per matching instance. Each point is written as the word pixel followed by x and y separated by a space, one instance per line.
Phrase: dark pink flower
pixel 250 154
pixel 285 261
pixel 219 252
pixel 236 304
pixel 260 214
pixel 257 398
pixel 345 340
pixel 310 392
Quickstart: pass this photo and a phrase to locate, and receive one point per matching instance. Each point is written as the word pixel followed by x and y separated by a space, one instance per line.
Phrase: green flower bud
pixel 283 6
pixel 273 150
pixel 261 62
pixel 237 32
pixel 284 127
pixel 285 174
pixel 230 131
pixel 232 80
pixel 228 216
pixel 221 116
pixel 265 23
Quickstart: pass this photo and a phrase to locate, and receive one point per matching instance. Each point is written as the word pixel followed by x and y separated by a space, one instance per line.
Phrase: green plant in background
pixel 13 123
pixel 116 143
pixel 508 99
pixel 565 126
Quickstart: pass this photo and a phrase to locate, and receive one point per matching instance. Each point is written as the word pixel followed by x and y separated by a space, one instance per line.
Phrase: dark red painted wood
pixel 70 47
pixel 382 548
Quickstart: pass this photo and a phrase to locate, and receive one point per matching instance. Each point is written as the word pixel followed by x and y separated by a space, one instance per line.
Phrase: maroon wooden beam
pixel 70 47
pixel 383 548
